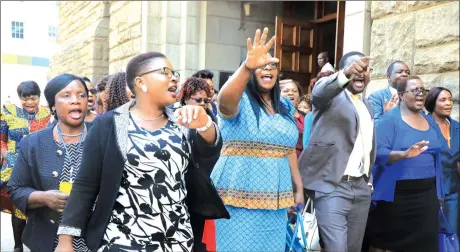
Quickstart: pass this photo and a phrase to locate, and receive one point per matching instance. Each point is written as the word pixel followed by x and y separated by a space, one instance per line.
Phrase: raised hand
pixel 417 149
pixel 191 116
pixel 392 103
pixel 257 55
pixel 358 67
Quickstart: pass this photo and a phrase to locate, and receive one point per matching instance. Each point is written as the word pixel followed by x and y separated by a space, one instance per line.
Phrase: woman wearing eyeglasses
pixel 407 176
pixel 90 114
pixel 257 171
pixel 136 160
pixel 15 123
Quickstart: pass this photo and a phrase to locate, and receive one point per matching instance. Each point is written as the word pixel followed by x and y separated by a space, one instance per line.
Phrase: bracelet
pixel 206 127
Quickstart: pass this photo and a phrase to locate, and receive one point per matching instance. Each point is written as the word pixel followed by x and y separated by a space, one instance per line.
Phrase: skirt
pixel 410 222
pixel 255 230
pixel 7 206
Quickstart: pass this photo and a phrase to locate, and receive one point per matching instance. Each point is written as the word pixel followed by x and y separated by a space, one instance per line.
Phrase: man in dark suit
pixel 336 164
pixel 385 99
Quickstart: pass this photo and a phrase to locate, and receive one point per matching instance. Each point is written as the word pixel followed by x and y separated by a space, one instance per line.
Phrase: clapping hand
pixel 191 116
pixel 417 149
pixel 257 55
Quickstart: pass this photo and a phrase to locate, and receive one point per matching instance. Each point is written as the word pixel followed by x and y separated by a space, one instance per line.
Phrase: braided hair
pixel 116 91
pixel 191 86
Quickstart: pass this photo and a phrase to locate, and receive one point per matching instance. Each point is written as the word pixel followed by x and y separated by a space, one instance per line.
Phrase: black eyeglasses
pixel 93 91
pixel 166 71
pixel 416 92
pixel 199 100
pixel 272 65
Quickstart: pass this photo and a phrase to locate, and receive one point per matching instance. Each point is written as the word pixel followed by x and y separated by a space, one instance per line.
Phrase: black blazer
pixel 101 172
pixel 37 164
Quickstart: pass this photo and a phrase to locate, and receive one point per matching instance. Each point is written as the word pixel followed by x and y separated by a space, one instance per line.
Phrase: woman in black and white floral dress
pixel 136 160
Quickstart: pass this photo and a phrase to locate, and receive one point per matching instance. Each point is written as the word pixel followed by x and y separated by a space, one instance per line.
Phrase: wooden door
pixel 295 49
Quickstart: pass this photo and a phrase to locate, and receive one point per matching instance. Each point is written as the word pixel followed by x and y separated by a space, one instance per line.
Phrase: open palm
pixel 417 149
pixel 257 55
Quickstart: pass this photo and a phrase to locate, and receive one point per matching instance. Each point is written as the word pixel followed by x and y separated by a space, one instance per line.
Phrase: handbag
pixel 311 227
pixel 292 241
pixel 448 241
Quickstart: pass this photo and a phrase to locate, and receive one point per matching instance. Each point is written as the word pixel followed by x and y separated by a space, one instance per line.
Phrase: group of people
pixel 141 161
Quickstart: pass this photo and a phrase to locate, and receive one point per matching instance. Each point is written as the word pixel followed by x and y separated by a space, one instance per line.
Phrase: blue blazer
pixel 449 156
pixel 385 176
pixel 377 101
pixel 38 160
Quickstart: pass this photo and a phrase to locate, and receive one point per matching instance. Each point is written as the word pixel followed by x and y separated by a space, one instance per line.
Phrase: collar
pixel 353 96
pixel 393 90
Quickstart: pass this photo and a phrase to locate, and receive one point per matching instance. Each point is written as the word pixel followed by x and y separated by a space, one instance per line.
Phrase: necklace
pixel 71 135
pixel 148 119
pixel 67 151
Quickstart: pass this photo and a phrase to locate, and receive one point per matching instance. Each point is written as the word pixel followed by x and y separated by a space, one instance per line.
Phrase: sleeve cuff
pixel 342 80
pixel 217 134
pixel 65 230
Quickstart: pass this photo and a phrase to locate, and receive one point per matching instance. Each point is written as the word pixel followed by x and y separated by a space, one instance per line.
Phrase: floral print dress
pixel 150 213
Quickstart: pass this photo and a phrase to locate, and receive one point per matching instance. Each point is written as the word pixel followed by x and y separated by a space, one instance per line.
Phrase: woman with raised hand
pixel 136 161
pixel 257 174
pixel 48 162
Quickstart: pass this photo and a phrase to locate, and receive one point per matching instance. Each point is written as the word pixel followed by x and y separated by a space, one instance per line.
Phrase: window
pixel 17 29
pixel 52 33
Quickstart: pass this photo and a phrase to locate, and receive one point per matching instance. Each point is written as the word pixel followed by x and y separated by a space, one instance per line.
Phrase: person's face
pixel 199 98
pixel 414 96
pixel 266 76
pixel 304 107
pixel 30 103
pixel 322 60
pixel 100 97
pixel 211 86
pixel 358 83
pixel 290 90
pixel 444 104
pixel 71 104
pixel 91 95
pixel 161 82
pixel 129 93
pixel 400 72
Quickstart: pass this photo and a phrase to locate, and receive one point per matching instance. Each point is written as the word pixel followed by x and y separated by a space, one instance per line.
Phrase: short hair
pixel 137 64
pixel 402 83
pixel 432 96
pixel 86 79
pixel 344 60
pixel 28 88
pixel 392 65
pixel 326 54
pixel 191 86
pixel 205 74
pixel 116 91
pixel 102 83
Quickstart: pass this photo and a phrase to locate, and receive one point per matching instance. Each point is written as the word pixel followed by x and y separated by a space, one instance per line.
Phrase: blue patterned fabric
pixel 253 178
pixel 252 230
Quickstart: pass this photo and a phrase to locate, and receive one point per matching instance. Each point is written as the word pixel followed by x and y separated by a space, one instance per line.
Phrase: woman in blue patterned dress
pixel 258 169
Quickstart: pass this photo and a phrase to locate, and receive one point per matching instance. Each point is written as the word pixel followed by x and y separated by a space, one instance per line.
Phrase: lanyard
pixel 67 151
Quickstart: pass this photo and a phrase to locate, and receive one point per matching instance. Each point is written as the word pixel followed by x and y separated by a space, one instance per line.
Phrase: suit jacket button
pixel 55 174
pixel 52 221
pixel 59 152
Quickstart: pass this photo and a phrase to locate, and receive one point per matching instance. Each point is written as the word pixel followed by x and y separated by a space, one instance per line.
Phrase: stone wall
pixel 83 39
pixel 424 34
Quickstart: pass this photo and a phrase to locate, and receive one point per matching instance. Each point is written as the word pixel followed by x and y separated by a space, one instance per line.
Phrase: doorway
pixel 303 31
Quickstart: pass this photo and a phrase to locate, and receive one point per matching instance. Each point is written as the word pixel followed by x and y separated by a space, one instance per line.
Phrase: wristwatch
pixel 206 127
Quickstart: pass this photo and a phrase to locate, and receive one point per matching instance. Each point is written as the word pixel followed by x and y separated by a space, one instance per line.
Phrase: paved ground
pixel 6 234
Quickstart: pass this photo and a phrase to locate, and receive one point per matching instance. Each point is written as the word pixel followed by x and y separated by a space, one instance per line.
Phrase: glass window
pixel 17 29
pixel 52 33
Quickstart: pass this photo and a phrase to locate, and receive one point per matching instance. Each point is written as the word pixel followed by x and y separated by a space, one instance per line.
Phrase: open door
pixel 295 49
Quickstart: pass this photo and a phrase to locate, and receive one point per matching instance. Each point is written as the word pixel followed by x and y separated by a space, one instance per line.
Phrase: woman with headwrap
pixel 48 162
pixel 15 123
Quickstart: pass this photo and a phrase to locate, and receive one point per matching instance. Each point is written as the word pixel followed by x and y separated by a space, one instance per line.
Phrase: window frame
pixel 17 30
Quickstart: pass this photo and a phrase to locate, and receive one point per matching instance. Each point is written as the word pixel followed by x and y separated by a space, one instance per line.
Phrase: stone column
pixel 357 31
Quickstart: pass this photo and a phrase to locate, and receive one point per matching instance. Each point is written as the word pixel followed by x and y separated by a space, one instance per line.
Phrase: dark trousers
pixel 197 222
pixel 18 228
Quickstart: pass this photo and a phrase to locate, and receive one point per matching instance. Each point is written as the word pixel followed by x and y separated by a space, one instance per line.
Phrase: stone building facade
pixel 100 37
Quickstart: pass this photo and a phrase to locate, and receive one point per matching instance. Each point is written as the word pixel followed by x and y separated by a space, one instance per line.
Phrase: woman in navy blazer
pixel 439 105
pixel 407 176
